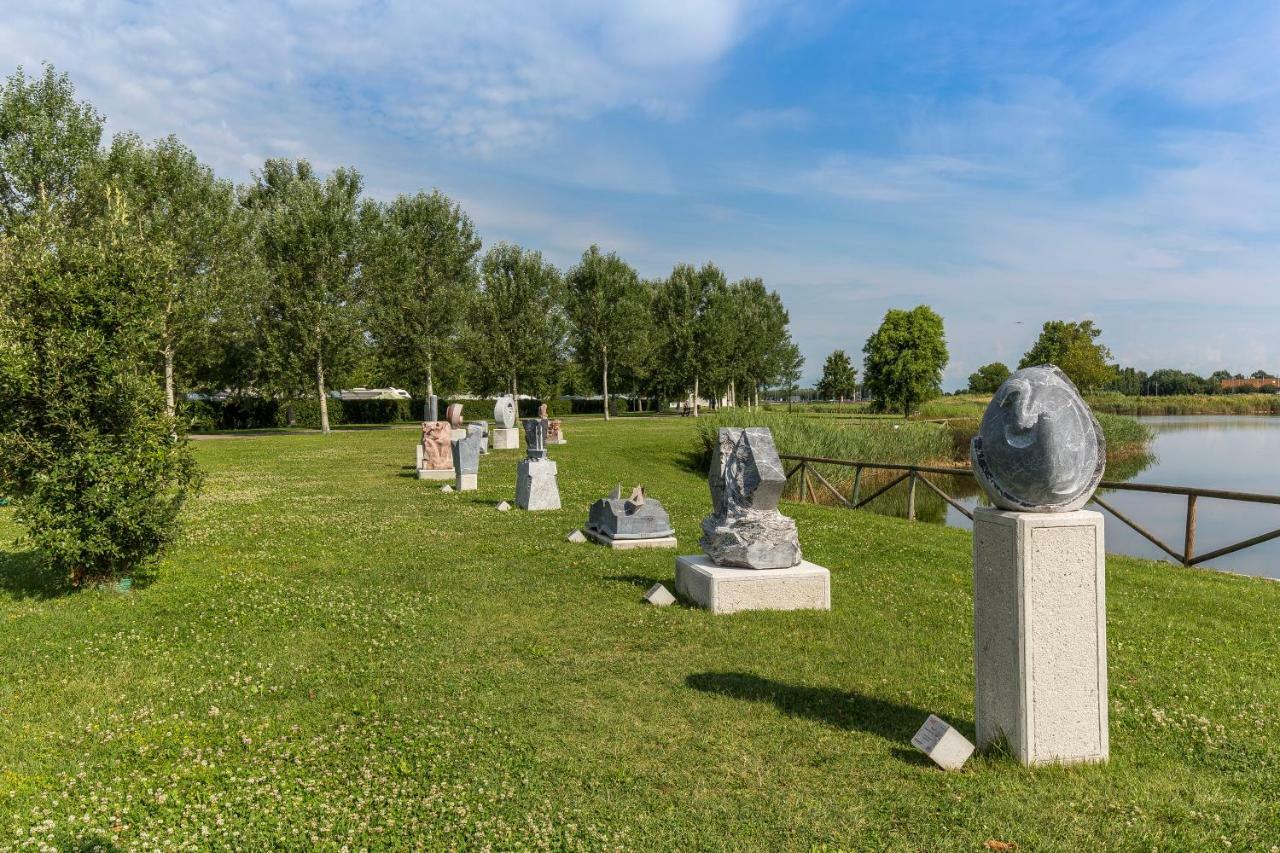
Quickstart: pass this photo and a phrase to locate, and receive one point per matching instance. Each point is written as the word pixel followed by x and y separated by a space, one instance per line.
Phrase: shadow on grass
pixel 847 710
pixel 23 576
pixel 640 581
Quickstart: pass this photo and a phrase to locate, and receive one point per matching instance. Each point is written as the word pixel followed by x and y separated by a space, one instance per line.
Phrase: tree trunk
pixel 605 349
pixel 695 396
pixel 324 401
pixel 170 408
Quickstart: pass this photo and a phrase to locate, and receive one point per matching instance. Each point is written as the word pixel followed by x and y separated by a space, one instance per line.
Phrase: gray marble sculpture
pixel 636 517
pixel 1039 447
pixel 504 412
pixel 432 412
pixel 466 452
pixel 483 427
pixel 535 438
pixel 745 528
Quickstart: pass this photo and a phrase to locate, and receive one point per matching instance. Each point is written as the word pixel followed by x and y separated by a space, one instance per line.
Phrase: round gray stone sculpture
pixel 504 412
pixel 1039 447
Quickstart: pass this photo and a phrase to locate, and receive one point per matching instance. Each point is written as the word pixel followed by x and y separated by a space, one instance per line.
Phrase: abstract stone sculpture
pixel 633 518
pixel 535 438
pixel 466 459
pixel 536 486
pixel 504 412
pixel 1039 447
pixel 454 415
pixel 542 411
pixel 433 408
pixel 745 528
pixel 435 456
pixel 555 432
pixel 483 427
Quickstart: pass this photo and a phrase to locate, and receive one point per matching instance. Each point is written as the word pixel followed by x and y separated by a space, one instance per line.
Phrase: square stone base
pixel 629 544
pixel 1040 634
pixel 726 590
pixel 536 486
pixel 466 483
pixel 435 474
pixel 506 439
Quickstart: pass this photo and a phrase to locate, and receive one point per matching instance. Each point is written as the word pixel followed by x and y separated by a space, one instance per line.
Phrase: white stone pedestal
pixel 725 590
pixel 435 473
pixel 629 544
pixel 506 439
pixel 1040 634
pixel 536 486
pixel 458 435
pixel 466 483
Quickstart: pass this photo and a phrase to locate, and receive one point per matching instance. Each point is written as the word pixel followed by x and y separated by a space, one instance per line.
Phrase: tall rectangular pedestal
pixel 1040 634
pixel 536 486
pixel 506 439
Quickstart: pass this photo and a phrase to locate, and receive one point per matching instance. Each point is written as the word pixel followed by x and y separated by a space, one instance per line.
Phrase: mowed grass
pixel 338 655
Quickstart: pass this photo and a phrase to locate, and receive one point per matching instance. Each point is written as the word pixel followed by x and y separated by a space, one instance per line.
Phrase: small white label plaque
pixel 947 747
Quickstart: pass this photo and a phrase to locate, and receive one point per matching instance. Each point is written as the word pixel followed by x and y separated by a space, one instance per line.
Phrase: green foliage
pixel 96 468
pixel 1073 349
pixel 1218 404
pixel 48 145
pixel 839 377
pixel 418 280
pixel 517 335
pixel 904 359
pixel 608 312
pixel 309 235
pixel 988 378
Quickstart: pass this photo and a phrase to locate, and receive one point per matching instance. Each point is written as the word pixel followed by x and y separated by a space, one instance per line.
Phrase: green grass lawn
pixel 338 654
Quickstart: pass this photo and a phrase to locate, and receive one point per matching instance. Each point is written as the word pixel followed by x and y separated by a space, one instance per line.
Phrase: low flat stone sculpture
pixel 1039 447
pixel 536 486
pixel 504 412
pixel 745 528
pixel 466 459
pixel 435 456
pixel 555 432
pixel 634 522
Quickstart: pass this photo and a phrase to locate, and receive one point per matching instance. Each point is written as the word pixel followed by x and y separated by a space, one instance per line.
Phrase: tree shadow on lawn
pixel 847 710
pixel 23 575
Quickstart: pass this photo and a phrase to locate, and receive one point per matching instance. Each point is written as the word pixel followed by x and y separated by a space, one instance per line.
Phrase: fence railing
pixel 915 475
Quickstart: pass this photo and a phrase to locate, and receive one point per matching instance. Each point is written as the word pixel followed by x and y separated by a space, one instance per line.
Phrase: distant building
pixel 1267 382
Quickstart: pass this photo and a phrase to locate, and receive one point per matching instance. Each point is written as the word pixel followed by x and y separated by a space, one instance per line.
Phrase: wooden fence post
pixel 857 484
pixel 911 497
pixel 1189 544
pixel 804 481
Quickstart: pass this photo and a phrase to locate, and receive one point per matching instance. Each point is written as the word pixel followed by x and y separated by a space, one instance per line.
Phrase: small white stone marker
pixel 576 537
pixel 503 506
pixel 659 595
pixel 447 489
pixel 947 747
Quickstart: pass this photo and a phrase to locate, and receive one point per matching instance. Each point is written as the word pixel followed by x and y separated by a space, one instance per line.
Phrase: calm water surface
pixel 1236 452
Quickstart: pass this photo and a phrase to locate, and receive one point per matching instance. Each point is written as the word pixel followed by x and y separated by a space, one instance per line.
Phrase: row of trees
pixel 130 273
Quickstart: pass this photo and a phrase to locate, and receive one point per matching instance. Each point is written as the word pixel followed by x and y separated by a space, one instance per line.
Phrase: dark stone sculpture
pixel 745 528
pixel 535 438
pixel 1039 447
pixel 636 517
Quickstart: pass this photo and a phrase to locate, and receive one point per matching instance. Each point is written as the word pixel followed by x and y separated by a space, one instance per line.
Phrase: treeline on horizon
pixel 296 283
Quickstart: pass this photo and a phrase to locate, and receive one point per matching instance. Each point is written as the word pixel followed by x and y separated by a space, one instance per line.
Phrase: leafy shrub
pixel 97 470
pixel 374 411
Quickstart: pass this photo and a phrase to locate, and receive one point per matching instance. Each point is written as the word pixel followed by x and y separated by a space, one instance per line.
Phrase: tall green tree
pixel 96 467
pixel 49 146
pixel 177 199
pixel 518 326
pixel 606 304
pixel 309 235
pixel 988 378
pixel 420 277
pixel 839 377
pixel 689 344
pixel 1073 348
pixel 904 359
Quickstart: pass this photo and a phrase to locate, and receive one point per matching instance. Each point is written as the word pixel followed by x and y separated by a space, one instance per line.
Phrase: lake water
pixel 1235 452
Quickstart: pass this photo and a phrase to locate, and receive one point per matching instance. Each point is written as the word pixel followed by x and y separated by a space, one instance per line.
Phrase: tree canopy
pixel 1074 349
pixel 988 378
pixel 839 377
pixel 904 359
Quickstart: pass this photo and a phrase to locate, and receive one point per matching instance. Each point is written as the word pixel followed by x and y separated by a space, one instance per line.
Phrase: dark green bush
pixel 374 411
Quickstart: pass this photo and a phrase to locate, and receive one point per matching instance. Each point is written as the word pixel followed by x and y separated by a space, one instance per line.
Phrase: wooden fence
pixel 915 475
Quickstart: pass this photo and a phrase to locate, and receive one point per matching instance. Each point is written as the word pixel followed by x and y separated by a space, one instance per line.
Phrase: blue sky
pixel 1006 163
